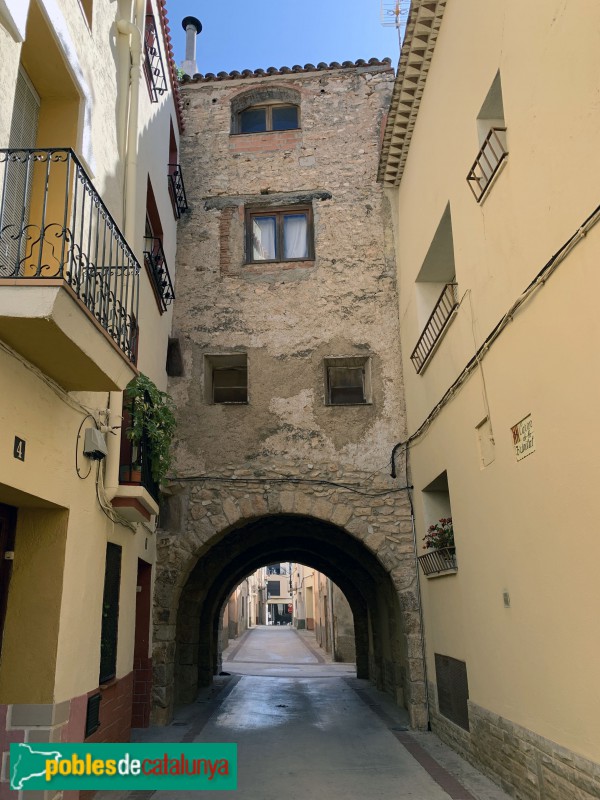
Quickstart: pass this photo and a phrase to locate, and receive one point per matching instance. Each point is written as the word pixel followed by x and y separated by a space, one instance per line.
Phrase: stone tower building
pixel 290 388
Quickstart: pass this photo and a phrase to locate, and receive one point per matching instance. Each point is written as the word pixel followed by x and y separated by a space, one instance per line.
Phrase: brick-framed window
pixel 271 117
pixel 266 109
pixel 279 234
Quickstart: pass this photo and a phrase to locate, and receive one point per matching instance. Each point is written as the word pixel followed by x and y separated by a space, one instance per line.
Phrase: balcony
pixel 154 67
pixel 158 272
pixel 177 190
pixel 137 496
pixel 439 562
pixel 69 283
pixel 436 325
pixel 489 160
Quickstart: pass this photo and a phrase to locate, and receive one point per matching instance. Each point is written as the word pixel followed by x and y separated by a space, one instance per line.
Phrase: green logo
pixel 123 766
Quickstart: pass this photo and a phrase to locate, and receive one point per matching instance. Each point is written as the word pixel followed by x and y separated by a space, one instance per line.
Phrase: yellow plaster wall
pixel 29 408
pixel 30 633
pixel 528 527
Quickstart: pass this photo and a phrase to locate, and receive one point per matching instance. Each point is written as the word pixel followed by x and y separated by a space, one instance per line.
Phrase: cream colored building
pixel 321 606
pixel 303 590
pixel 491 160
pixel 89 125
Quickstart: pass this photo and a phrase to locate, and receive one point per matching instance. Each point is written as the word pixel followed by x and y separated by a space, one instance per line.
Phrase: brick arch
pixel 260 95
pixel 226 536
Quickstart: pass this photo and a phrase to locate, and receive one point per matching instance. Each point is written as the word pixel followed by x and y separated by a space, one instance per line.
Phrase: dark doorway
pixel 142 662
pixel 8 524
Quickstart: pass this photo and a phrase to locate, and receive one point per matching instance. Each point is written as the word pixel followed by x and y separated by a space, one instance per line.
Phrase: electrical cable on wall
pixel 310 481
pixel 539 280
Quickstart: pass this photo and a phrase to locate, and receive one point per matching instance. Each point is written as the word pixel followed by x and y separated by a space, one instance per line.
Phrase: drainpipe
pixel 127 28
pixel 113 445
pixel 129 77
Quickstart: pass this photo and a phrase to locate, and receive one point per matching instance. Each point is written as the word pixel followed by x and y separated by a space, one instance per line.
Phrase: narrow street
pixel 306 728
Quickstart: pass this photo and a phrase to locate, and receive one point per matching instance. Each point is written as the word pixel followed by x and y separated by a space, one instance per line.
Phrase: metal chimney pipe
pixel 192 28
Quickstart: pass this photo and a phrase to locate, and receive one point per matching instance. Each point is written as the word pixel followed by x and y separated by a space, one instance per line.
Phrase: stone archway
pixel 225 537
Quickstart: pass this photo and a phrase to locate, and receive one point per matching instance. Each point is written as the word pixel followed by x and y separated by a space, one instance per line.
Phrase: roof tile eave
pixel 422 28
pixel 271 71
pixel 164 21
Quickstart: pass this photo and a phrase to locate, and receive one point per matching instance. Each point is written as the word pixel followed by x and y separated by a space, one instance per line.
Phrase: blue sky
pixel 275 33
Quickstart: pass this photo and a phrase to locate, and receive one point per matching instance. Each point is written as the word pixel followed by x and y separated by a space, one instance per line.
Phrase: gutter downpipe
pixel 128 138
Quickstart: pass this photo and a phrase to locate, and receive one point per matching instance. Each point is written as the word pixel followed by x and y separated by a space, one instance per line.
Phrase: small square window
pixel 227 378
pixel 347 381
pixel 279 235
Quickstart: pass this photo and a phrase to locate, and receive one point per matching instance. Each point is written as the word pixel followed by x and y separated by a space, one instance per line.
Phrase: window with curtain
pixel 279 235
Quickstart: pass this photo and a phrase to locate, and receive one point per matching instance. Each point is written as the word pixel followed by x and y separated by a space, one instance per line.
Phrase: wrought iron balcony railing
pixel 488 162
pixel 154 66
pixel 156 265
pixel 177 190
pixel 135 465
pixel 435 327
pixel 54 225
pixel 435 562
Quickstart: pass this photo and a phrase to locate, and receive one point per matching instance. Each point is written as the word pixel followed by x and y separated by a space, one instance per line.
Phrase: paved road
pixel 313 732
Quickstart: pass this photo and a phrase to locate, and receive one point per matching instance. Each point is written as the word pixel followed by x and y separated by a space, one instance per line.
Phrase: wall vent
pixel 92 719
pixel 452 689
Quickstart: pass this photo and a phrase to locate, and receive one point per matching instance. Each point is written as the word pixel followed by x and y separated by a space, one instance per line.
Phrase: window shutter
pixel 26 109
pixel 17 183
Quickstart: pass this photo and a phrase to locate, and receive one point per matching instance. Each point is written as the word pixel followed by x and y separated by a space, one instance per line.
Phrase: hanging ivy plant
pixel 152 418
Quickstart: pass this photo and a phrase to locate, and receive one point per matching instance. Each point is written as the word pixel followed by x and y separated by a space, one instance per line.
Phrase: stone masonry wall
pixel 204 510
pixel 527 766
pixel 288 317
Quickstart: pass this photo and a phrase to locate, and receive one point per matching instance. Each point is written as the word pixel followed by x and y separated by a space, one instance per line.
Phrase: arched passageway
pixel 193 585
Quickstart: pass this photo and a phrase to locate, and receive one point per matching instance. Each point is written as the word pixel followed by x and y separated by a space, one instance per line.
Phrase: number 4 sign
pixel 19 449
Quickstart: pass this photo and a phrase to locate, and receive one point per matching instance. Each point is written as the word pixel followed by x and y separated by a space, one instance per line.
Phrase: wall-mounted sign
pixel 523 439
pixel 19 449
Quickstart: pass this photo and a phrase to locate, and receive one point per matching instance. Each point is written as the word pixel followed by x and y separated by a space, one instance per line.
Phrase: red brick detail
pixel 142 692
pixel 5 792
pixel 265 142
pixel 6 739
pixel 224 237
pixel 115 711
pixel 276 266
pixel 131 502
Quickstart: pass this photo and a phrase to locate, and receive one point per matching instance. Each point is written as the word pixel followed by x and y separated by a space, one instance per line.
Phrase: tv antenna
pixel 394 14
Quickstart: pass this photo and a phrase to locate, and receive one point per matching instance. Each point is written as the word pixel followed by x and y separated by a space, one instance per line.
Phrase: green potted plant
pixel 152 419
